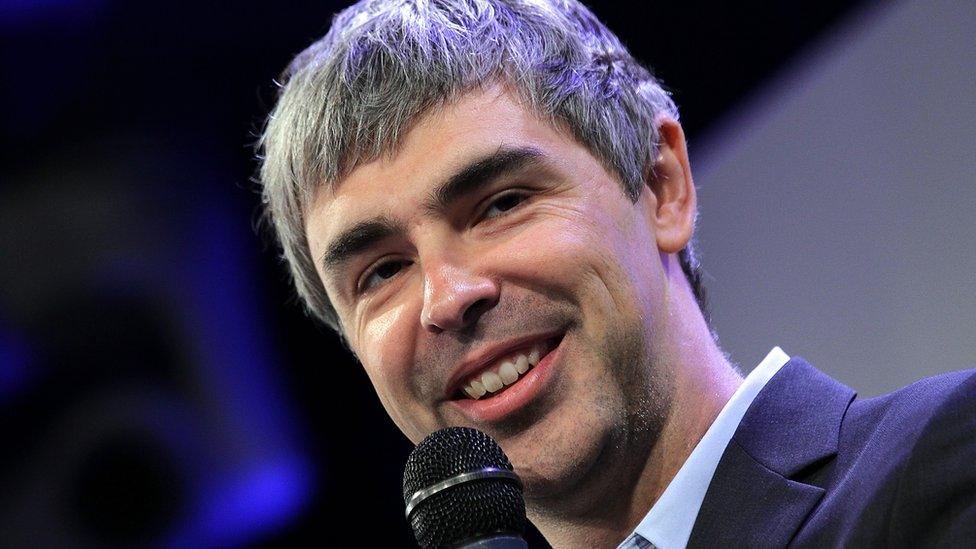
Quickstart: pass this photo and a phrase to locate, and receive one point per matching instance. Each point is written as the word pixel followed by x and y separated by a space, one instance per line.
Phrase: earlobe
pixel 674 190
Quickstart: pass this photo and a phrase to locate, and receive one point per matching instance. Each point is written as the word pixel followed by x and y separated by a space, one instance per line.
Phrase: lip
pixel 515 396
pixel 480 360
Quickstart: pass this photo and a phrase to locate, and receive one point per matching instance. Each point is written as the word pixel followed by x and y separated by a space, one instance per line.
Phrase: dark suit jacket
pixel 811 466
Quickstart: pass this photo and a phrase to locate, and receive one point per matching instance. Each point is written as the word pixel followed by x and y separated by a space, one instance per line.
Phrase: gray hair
pixel 351 96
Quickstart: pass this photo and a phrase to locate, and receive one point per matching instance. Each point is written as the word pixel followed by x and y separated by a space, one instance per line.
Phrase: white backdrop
pixel 838 205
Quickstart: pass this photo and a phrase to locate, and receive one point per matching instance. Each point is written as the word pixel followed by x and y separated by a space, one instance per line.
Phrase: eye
pixel 380 273
pixel 504 203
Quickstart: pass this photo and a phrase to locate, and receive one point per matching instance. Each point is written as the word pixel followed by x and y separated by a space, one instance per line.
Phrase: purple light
pixel 14 364
pixel 260 500
pixel 23 12
pixel 265 479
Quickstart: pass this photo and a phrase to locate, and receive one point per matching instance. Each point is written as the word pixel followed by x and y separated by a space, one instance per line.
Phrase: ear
pixel 669 179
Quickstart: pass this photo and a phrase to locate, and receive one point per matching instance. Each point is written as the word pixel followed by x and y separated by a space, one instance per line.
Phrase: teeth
pixel 505 373
pixel 478 387
pixel 492 381
pixel 475 389
pixel 508 373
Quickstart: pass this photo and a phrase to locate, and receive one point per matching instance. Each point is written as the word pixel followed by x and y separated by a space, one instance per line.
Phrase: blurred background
pixel 159 385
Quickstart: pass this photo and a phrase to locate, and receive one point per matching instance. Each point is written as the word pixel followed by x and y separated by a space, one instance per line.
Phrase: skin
pixel 640 380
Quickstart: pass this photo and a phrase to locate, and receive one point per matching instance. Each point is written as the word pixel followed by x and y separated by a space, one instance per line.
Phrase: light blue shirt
pixel 669 522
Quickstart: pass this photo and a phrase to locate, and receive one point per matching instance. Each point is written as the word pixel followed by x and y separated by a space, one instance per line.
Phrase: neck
pixel 630 477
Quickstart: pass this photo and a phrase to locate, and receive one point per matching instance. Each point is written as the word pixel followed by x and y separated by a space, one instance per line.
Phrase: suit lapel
pixel 791 426
pixel 747 505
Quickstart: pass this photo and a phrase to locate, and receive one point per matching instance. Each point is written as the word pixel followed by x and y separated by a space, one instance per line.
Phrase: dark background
pixel 159 383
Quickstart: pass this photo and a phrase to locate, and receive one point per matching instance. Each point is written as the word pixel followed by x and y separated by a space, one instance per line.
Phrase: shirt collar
pixel 669 522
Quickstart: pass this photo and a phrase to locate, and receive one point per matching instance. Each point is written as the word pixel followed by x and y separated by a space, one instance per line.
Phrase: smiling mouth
pixel 505 371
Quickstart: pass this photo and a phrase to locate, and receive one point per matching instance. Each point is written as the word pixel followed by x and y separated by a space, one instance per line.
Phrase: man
pixel 492 203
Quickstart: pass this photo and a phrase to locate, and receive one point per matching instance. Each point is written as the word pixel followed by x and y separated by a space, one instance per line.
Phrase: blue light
pixel 265 480
pixel 21 12
pixel 15 369
pixel 261 500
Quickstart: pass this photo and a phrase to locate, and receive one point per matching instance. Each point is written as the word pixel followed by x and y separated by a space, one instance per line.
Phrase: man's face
pixel 490 234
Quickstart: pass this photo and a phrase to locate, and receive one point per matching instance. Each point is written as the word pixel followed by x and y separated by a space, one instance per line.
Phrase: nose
pixel 455 297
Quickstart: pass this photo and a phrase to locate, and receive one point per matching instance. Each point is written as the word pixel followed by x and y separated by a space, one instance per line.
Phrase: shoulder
pixel 927 432
pixel 908 429
pixel 936 493
pixel 918 410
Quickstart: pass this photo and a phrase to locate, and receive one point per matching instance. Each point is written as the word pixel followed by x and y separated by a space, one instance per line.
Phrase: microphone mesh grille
pixel 466 511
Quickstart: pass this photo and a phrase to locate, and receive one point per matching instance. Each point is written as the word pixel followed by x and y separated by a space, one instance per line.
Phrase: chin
pixel 558 463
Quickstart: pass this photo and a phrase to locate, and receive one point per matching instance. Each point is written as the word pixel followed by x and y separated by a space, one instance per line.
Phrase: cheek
pixel 602 260
pixel 381 335
pixel 579 248
pixel 385 347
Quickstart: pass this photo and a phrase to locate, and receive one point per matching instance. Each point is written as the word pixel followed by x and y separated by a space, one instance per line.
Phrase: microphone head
pixel 458 486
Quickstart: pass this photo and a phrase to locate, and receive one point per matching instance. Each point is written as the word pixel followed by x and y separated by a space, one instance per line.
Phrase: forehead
pixel 479 122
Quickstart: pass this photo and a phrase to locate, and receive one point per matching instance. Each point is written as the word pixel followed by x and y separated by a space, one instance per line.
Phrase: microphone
pixel 461 492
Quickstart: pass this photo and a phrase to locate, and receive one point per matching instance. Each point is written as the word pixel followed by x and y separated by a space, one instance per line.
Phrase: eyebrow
pixel 474 176
pixel 478 174
pixel 357 239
